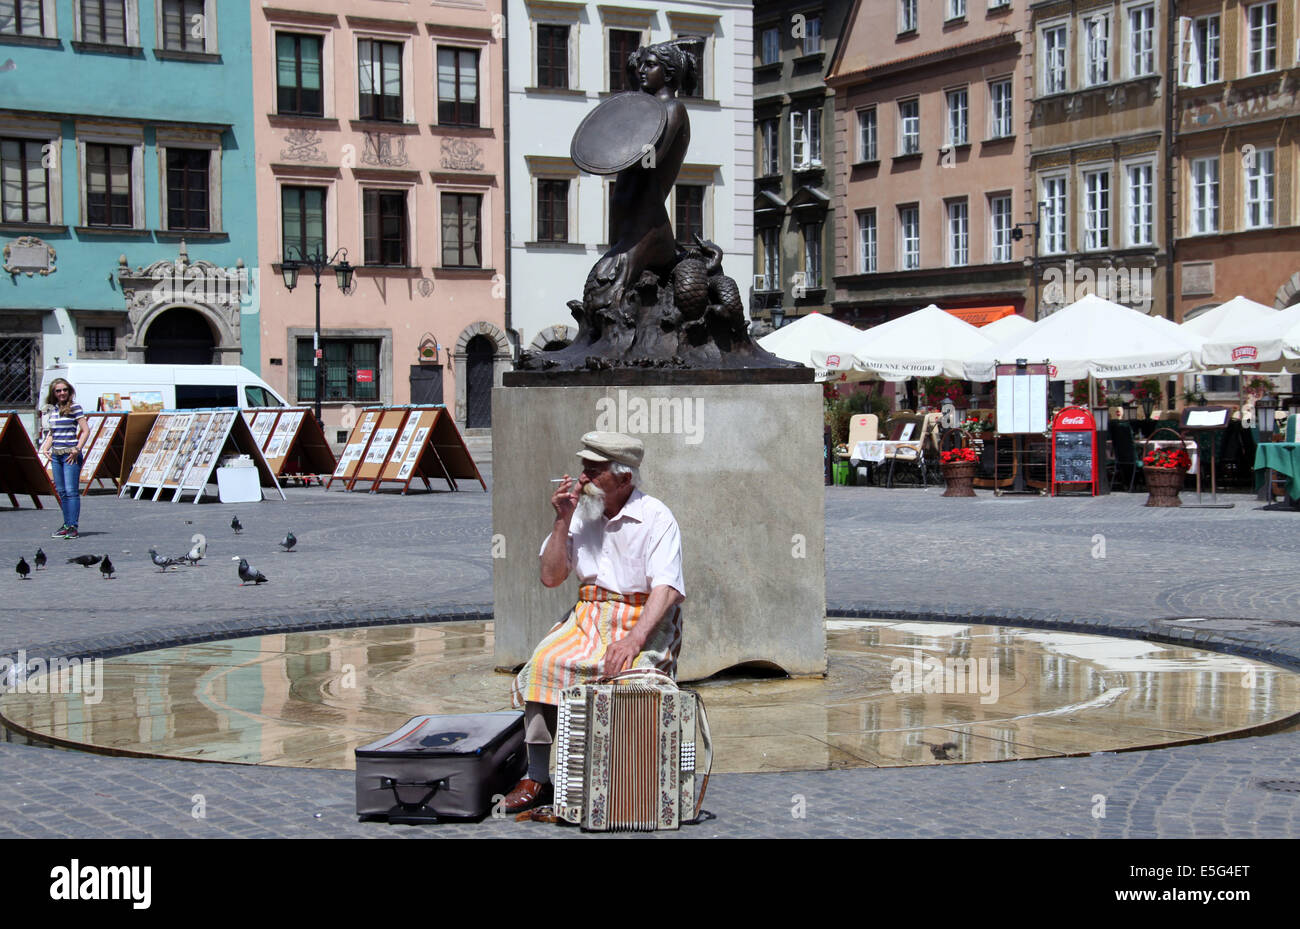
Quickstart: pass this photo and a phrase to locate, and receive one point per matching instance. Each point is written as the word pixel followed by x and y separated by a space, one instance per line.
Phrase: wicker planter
pixel 959 476
pixel 1163 485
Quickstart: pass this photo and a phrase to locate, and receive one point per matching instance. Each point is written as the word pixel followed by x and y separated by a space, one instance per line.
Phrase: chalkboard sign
pixel 1073 458
pixel 1074 449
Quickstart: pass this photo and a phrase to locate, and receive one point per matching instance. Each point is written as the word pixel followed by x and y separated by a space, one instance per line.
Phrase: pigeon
pixel 289 542
pixel 106 568
pixel 40 558
pixel 196 553
pixel 236 525
pixel 160 560
pixel 247 574
pixel 23 568
pixel 84 560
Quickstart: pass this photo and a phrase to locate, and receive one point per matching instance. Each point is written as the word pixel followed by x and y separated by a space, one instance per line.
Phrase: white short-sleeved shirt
pixel 634 551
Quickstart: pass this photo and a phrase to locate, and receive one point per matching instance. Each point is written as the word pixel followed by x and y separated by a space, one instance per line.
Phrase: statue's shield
pixel 618 133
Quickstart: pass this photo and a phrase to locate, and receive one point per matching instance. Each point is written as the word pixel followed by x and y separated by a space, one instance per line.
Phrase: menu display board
pixel 1074 449
pixel 1022 398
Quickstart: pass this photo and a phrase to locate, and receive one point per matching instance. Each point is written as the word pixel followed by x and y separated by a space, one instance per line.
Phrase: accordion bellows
pixel 633 755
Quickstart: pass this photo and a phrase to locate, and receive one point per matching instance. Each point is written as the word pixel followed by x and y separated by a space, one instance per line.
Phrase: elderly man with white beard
pixel 626 550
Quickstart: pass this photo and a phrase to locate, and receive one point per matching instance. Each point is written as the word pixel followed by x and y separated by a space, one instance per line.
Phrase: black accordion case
pixel 441 767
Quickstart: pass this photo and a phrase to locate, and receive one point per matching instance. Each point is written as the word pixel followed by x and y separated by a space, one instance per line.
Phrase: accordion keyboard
pixel 570 754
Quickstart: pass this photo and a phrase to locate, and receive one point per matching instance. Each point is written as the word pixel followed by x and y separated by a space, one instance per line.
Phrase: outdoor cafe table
pixel 1284 458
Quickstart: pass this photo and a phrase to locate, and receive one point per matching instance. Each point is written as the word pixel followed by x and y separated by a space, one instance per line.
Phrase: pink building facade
pixel 380 129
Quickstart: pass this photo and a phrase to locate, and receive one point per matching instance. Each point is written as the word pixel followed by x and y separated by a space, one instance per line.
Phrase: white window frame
pixel 106 135
pixel 408 74
pixel 903 134
pixel 995 130
pixel 956 10
pixel 775 33
pixel 211 31
pixel 1054 231
pixel 907 16
pixel 1254 180
pixel 487 234
pixel 868 241
pixel 805 138
pixel 486 68
pixel 546 172
pixel 957 239
pixel 1097 215
pixel 1094 48
pixel 1134 207
pixel 132 24
pixel 1200 50
pixel 1140 43
pixel 1054 68
pixel 909 246
pixel 812 39
pixel 1257 56
pixel 1001 225
pixel 695 177
pixel 770 257
pixel 812 243
pixel 51 135
pixel 1204 216
pixel 210 141
pixel 769 133
pixel 868 134
pixel 957 125
pixel 49 22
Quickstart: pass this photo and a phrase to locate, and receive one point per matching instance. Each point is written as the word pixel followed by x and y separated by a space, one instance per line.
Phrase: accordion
pixel 632 755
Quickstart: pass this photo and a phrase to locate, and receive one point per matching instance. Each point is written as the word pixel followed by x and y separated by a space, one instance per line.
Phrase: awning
pixel 982 315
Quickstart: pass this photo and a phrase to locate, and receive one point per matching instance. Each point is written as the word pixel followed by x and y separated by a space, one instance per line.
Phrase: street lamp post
pixel 316 263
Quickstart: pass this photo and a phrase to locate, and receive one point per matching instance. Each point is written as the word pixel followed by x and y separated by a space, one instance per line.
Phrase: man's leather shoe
pixel 526 795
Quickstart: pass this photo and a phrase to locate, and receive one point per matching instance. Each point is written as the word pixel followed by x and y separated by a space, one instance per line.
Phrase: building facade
pixel 128 221
pixel 1099 168
pixel 565 58
pixel 795 267
pixel 931 148
pixel 380 132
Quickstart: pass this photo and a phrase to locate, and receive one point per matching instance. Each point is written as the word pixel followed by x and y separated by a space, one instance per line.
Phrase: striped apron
pixel 572 651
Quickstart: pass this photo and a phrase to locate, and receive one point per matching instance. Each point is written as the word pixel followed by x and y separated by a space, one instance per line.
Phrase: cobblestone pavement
pixel 1098 565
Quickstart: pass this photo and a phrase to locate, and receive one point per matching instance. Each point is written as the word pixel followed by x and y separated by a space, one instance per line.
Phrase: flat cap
pixel 612 446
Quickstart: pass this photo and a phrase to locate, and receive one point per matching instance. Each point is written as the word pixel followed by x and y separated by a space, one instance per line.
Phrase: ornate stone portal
pixel 651 302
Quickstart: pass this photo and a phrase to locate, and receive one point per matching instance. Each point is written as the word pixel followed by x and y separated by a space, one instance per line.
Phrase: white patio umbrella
pixel 1259 340
pixel 1005 328
pixel 1096 338
pixel 926 343
pixel 796 341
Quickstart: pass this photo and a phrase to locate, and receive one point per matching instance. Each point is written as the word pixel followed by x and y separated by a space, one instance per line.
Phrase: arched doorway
pixel 478 386
pixel 179 336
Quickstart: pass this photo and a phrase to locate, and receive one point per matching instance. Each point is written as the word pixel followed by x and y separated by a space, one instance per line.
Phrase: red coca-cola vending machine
pixel 1074 450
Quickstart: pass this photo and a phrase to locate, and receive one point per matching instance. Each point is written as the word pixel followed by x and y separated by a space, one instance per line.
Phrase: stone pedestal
pixel 740 466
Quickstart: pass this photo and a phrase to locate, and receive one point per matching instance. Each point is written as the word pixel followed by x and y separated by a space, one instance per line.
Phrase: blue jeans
pixel 67 481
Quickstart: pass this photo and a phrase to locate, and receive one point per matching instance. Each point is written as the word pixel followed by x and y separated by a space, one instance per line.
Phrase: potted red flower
pixel 959 466
pixel 1165 470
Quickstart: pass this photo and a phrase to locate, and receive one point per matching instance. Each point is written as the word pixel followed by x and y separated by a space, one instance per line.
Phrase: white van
pixel 177 387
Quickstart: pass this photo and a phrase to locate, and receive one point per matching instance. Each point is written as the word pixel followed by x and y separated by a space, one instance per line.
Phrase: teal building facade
pixel 128 220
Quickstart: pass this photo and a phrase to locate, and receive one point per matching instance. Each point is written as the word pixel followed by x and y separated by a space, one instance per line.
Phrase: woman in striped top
pixel 64 442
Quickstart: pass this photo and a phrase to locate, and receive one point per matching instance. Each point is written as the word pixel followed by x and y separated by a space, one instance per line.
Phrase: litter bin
pixel 841 469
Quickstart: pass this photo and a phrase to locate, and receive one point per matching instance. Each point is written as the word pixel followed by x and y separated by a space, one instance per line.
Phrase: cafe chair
pixel 1127 460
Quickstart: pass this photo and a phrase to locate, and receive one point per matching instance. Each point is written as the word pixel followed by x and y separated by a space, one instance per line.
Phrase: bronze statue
pixel 650 301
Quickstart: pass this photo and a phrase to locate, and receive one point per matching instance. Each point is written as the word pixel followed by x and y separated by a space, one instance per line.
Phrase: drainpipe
pixel 505 131
pixel 1171 152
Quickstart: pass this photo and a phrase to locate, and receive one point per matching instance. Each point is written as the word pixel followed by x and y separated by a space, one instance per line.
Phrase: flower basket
pixel 959 466
pixel 1163 485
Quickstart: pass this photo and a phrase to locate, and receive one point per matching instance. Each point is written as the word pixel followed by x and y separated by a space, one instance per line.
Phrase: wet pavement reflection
pixel 896 693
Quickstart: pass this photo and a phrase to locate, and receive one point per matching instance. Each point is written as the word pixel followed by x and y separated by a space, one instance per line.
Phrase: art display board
pixel 385 436
pixel 21 471
pixel 410 445
pixel 184 448
pixel 103 456
pixel 292 441
pixel 1074 449
pixel 356 446
pixel 438 453
pixel 136 430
